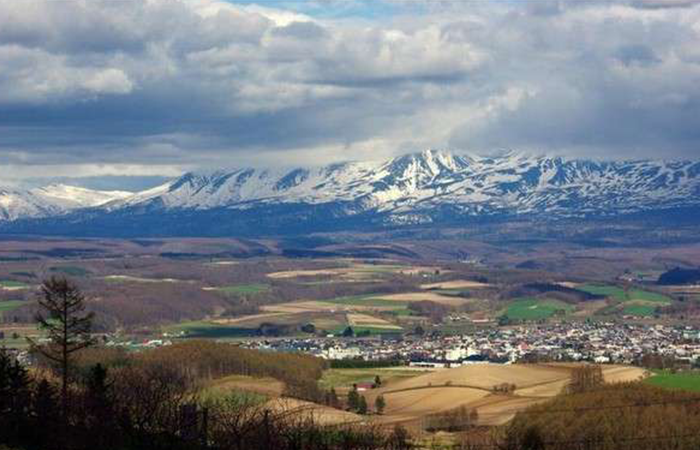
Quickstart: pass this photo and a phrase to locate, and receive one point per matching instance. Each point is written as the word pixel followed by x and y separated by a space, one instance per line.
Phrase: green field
pixel 73 271
pixel 215 396
pixel 335 378
pixel 239 289
pixel 13 284
pixel 208 330
pixel 535 309
pixel 638 294
pixel 605 290
pixel 639 310
pixel 9 305
pixel 619 294
pixel 682 381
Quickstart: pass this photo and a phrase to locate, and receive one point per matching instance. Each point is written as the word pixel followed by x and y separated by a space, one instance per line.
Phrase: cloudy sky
pixel 155 87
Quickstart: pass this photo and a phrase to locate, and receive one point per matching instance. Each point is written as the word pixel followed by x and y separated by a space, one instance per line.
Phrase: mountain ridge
pixel 427 187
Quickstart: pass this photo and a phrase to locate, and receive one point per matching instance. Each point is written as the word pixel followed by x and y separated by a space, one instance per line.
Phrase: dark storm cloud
pixel 202 82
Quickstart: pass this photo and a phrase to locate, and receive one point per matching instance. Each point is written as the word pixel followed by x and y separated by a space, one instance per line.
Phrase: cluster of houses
pixel 598 342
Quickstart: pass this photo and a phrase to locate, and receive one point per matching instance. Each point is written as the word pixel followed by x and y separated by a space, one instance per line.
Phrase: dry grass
pixel 411 399
pixel 620 374
pixel 128 278
pixel 456 284
pixel 305 273
pixel 250 319
pixel 355 272
pixel 266 386
pixel 365 320
pixel 423 296
pixel 321 414
pixel 589 308
pixel 302 307
pixel 409 405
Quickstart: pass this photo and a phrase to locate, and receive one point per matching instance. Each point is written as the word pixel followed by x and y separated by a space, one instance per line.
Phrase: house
pixel 361 387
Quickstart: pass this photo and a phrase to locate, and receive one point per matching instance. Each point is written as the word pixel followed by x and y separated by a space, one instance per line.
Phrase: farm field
pixel 472 386
pixel 682 381
pixel 323 415
pixel 619 294
pixel 15 335
pixel 639 310
pixel 9 305
pixel 357 272
pixel 267 387
pixel 72 271
pixel 345 378
pixel 132 279
pixel 536 309
pixel 455 284
pixel 208 330
pixel 11 285
pixel 368 301
pixel 367 321
pixel 243 289
pixel 425 296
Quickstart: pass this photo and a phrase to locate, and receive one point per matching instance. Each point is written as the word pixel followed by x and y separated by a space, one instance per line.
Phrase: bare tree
pixel 63 318
pixel 586 378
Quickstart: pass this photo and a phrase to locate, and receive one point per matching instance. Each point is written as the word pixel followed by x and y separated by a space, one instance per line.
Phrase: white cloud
pixel 186 82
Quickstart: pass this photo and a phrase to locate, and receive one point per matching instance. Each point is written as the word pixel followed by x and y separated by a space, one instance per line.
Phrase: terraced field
pixel 323 415
pixel 345 378
pixel 472 386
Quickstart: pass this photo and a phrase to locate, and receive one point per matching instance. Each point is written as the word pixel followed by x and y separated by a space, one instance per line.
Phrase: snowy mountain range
pixel 428 187
pixel 52 200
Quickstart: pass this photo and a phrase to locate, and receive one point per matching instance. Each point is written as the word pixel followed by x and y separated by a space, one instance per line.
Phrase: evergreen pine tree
pixel 353 399
pixel 67 326
pixel 362 405
pixel 45 413
pixel 14 398
pixel 380 404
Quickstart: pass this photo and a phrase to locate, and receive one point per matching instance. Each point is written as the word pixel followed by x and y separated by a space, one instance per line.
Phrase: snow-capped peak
pixel 419 186
pixel 78 197
pixel 52 200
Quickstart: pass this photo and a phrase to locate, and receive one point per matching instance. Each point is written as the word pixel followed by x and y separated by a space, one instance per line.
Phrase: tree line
pixel 81 398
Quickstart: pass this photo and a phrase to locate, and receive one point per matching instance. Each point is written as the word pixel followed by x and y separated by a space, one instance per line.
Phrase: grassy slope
pixel 367 300
pixel 339 378
pixel 12 284
pixel 204 329
pixel 644 304
pixel 74 271
pixel 681 381
pixel 639 310
pixel 9 305
pixel 617 293
pixel 535 309
pixel 245 289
